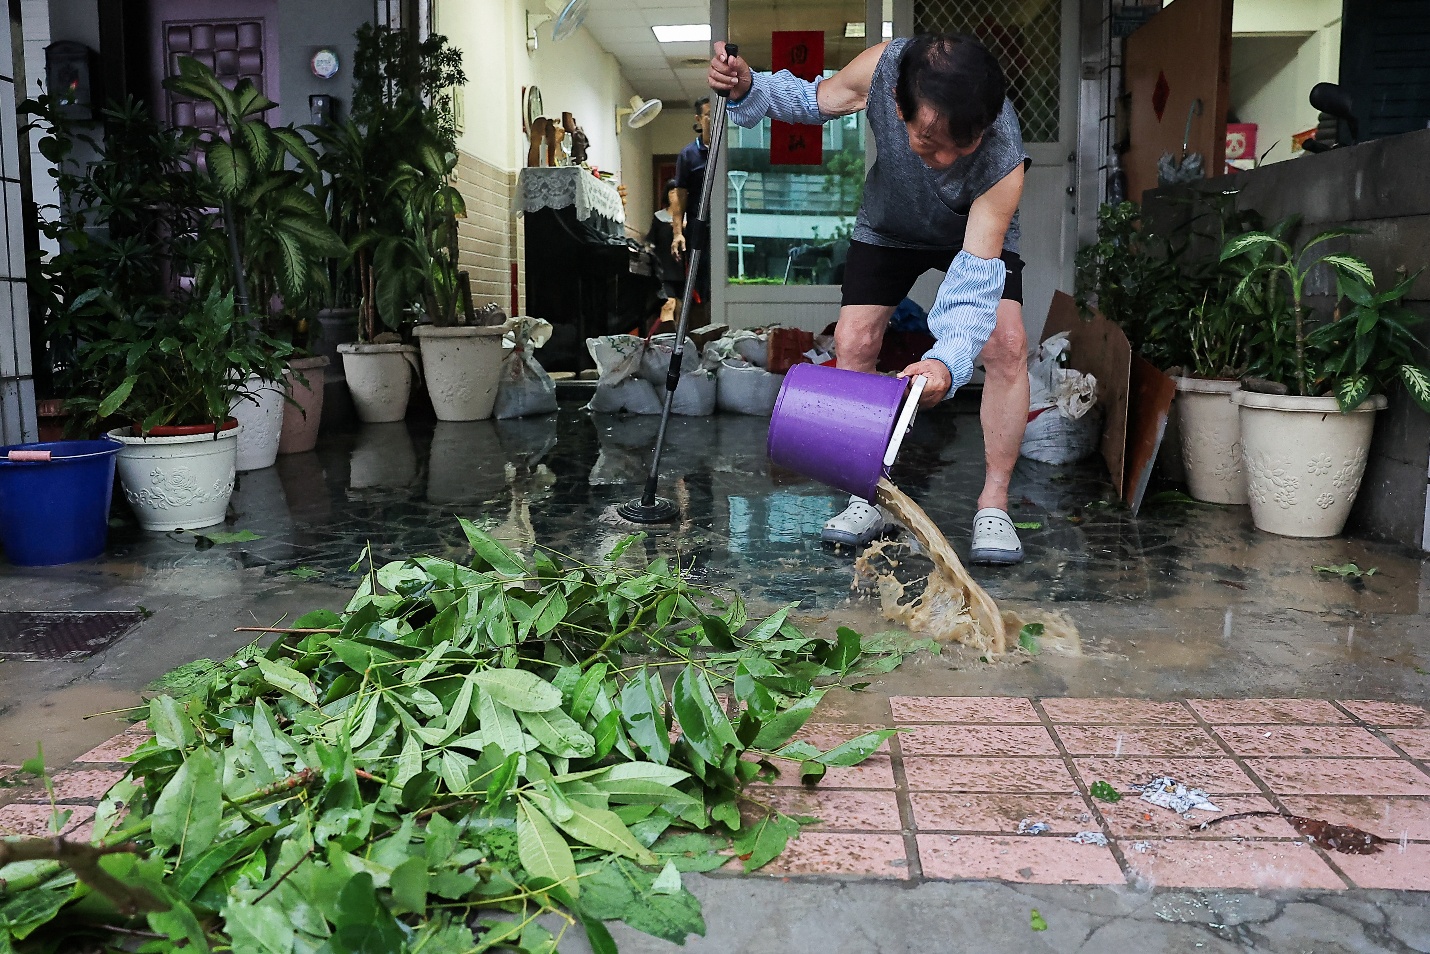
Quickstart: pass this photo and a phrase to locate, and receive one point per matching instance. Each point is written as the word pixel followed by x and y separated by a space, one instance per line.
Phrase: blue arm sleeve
pixel 964 313
pixel 782 96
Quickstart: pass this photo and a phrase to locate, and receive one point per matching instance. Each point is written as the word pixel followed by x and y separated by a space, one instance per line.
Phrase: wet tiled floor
pixel 948 797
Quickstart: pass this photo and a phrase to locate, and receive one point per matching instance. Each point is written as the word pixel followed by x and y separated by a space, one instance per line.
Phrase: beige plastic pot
pixel 1210 428
pixel 304 413
pixel 380 379
pixel 463 368
pixel 178 483
pixel 1304 460
pixel 260 412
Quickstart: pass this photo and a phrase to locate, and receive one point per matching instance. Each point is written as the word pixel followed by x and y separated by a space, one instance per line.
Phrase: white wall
pixel 575 75
pixel 1280 49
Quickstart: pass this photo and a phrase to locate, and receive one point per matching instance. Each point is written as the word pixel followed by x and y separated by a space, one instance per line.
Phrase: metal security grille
pixel 233 50
pixel 1026 36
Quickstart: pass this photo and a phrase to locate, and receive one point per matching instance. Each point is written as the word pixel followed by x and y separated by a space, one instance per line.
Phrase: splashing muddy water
pixel 952 606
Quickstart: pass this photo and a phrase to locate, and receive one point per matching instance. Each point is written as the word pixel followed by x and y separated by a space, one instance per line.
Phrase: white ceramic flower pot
pixel 1304 460
pixel 181 482
pixel 463 367
pixel 1211 440
pixel 260 416
pixel 379 378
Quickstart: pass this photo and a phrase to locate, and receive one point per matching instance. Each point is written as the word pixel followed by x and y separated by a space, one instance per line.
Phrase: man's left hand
pixel 938 380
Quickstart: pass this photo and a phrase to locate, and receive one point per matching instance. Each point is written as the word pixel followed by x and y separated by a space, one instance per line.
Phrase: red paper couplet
pixel 802 53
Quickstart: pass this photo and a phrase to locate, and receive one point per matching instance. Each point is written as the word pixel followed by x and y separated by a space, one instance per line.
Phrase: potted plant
pixel 1306 423
pixel 389 168
pixel 174 369
pixel 274 243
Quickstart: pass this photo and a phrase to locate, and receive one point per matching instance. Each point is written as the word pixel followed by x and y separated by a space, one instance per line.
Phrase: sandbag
pixel 743 388
pixel 1054 438
pixel 618 359
pixel 655 360
pixel 525 388
pixel 695 394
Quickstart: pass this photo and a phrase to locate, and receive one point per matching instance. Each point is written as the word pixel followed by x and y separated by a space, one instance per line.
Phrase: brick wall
pixel 489 237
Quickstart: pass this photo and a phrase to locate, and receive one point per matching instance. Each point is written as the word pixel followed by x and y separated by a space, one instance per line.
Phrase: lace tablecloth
pixel 562 186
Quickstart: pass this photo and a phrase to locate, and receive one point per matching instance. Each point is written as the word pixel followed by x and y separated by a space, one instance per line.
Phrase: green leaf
pixel 600 828
pixel 1104 792
pixel 560 734
pixel 770 626
pixel 1036 921
pixel 1417 382
pixel 518 689
pixel 491 552
pixel 1028 637
pixel 668 881
pixel 169 723
pixel 783 727
pixel 282 676
pixel 229 168
pixel 115 399
pixel 189 810
pixel 642 709
pixel 599 937
pixel 588 688
pixel 847 650
pixel 544 853
pixel 240 536
pixel 1350 392
pixel 257 929
pixel 500 726
pixel 1244 243
pixel 717 634
pixel 856 749
pixel 1029 525
pixel 702 722
pixel 408 884
pixel 1351 266
pixel 762 842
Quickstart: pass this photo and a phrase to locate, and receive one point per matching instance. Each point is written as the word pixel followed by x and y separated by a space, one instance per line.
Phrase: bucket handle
pixel 31 456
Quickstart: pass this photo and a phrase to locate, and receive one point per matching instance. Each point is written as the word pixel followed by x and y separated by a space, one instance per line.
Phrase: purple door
pixel 237 39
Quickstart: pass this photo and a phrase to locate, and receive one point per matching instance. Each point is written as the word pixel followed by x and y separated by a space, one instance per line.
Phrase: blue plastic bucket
pixel 56 511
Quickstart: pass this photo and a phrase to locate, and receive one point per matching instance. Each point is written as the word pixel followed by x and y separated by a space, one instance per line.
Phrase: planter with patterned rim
pixel 182 482
pixel 1210 432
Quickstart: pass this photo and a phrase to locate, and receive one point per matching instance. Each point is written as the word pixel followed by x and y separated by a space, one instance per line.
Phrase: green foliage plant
pixel 181 360
pixel 266 181
pixel 1274 272
pixel 461 750
pixel 1372 344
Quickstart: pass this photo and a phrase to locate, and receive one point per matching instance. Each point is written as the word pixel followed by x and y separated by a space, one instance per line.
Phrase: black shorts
pixel 882 275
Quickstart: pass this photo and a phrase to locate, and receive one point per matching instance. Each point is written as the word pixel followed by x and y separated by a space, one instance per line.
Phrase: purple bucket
pixel 835 425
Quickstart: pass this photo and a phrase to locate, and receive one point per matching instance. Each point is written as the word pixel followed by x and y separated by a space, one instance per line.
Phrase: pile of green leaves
pixel 461 751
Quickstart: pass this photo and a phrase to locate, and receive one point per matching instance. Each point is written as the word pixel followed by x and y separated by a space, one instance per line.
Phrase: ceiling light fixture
pixel 682 33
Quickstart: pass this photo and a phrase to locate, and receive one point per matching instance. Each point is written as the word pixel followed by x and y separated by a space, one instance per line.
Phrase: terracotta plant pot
pixel 1211 440
pixel 52 418
pixel 1304 460
pixel 303 412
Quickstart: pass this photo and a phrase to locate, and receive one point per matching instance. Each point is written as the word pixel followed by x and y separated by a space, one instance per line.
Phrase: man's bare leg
pixel 1004 409
pixel 860 334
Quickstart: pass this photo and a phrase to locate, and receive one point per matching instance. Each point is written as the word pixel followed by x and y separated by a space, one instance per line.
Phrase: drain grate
pixel 61 635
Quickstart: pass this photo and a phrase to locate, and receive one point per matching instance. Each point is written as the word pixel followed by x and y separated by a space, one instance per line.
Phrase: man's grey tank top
pixel 907 204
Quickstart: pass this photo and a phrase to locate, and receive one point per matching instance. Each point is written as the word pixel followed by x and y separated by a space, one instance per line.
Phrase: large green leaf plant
pixel 266 182
pixel 1363 349
pixel 462 750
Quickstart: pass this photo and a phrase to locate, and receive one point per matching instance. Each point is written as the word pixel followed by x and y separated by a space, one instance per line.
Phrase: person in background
pixel 943 194
pixel 661 234
pixel 689 185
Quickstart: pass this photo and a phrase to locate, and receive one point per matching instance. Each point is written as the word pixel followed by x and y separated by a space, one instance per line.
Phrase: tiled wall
pixel 489 236
pixel 17 389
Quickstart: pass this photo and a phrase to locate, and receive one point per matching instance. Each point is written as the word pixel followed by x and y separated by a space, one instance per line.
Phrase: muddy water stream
pixel 952 606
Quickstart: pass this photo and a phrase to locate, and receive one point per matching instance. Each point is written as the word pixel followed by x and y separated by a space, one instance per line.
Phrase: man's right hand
pixel 677 247
pixel 729 74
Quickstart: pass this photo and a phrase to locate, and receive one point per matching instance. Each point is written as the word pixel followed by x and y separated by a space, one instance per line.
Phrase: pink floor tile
pixel 827 735
pixel 1133 820
pixel 1281 741
pixel 1387 817
pixel 1233 864
pixel 938 811
pixel 977 740
pixel 877 771
pixel 833 853
pixel 1391 867
pixel 1415 742
pixel 988 775
pixel 34 820
pixel 86 785
pixel 1388 714
pixel 980 709
pixel 1116 712
pixel 837 809
pixel 1215 776
pixel 1274 711
pixel 118 747
pixel 1341 776
pixel 1115 741
pixel 1045 859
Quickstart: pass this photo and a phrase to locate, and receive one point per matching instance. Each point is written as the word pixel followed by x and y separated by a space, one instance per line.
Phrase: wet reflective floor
pixel 1180 599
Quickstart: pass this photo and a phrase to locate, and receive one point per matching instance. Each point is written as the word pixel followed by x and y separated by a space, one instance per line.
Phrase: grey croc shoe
pixel 860 522
pixel 995 539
